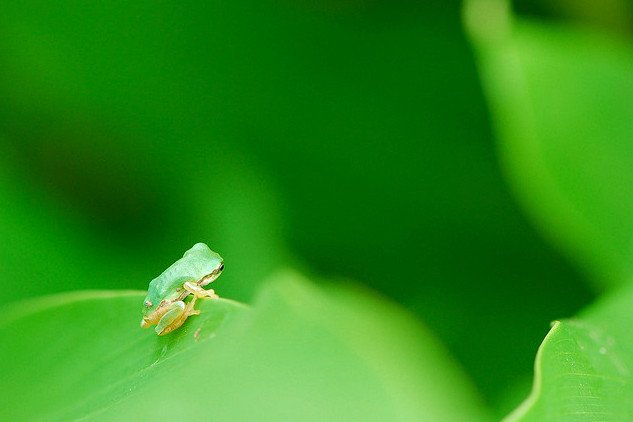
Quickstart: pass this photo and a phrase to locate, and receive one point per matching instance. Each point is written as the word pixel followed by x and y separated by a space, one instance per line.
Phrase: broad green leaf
pixel 584 368
pixel 302 353
pixel 562 103
pixel 65 356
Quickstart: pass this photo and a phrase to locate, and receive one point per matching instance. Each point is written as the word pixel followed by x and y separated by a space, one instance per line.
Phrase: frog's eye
pixel 148 303
pixel 221 267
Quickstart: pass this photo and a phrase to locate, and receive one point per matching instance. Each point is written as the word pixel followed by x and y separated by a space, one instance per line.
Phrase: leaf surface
pixel 562 103
pixel 300 353
pixel 584 368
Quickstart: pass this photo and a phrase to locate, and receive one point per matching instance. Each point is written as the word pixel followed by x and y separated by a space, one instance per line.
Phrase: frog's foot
pixel 199 292
pixel 176 315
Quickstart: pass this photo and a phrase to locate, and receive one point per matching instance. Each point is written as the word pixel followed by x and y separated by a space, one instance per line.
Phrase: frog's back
pixel 196 263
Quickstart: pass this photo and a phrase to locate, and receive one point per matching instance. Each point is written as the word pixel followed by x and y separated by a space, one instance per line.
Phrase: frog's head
pixel 215 273
pixel 212 262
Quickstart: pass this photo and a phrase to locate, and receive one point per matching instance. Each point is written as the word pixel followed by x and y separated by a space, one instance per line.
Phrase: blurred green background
pixel 348 138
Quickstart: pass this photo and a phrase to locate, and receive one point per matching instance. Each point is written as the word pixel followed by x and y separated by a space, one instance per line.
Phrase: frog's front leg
pixel 175 316
pixel 198 291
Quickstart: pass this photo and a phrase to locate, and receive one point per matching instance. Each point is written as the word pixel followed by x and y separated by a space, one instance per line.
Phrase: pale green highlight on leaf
pixel 561 102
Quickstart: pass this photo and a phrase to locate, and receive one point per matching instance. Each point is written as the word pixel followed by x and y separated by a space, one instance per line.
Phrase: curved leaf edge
pixel 523 409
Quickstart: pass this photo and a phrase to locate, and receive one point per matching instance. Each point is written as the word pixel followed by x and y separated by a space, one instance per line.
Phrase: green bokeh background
pixel 349 139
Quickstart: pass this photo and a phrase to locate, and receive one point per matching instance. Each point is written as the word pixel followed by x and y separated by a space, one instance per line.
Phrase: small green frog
pixel 165 304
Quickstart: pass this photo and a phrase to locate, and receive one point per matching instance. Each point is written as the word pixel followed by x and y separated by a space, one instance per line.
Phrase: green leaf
pixel 302 353
pixel 561 102
pixel 584 368
pixel 68 355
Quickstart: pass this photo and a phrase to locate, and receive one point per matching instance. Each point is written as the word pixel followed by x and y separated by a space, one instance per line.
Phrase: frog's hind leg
pixel 189 308
pixel 199 292
pixel 176 315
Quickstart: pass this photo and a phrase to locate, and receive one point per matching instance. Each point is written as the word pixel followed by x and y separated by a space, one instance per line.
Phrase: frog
pixel 166 303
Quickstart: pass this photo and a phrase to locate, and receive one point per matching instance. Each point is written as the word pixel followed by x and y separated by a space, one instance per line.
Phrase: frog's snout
pixel 145 323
